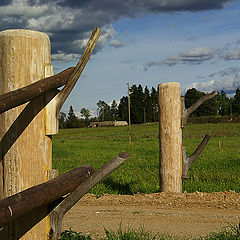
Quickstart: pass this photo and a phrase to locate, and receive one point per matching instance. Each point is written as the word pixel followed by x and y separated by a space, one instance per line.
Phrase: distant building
pixel 108 124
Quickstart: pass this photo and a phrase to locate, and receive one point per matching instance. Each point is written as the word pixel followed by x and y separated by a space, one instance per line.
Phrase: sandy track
pixel 186 214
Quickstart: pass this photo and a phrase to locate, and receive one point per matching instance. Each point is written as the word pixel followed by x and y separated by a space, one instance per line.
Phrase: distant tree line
pixel 70 120
pixel 144 107
pixel 219 105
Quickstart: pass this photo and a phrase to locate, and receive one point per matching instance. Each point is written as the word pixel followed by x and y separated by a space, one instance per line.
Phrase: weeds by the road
pixel 231 234
pixel 121 234
pixel 71 235
pixel 131 234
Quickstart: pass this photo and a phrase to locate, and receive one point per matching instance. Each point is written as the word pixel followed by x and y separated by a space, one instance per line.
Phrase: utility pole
pixel 129 118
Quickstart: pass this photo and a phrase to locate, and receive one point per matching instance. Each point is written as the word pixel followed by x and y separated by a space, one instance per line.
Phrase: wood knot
pixel 124 155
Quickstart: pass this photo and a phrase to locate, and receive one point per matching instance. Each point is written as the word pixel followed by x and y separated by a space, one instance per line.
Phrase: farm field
pixel 129 196
pixel 216 169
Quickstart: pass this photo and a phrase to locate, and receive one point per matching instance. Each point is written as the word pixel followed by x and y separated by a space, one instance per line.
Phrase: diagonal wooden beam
pixel 187 161
pixel 72 80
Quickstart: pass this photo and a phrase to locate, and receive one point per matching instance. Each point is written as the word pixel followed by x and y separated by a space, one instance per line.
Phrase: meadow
pixel 216 169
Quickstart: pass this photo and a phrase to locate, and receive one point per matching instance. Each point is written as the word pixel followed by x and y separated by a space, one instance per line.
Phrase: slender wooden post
pixel 25 147
pixel 170 137
pixel 129 111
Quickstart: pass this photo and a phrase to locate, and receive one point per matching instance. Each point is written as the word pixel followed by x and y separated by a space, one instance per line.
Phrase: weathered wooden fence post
pixel 170 137
pixel 173 160
pixel 25 145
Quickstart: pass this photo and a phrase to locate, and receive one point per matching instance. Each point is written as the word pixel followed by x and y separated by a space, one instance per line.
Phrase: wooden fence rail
pixel 33 201
pixel 17 205
pixel 20 96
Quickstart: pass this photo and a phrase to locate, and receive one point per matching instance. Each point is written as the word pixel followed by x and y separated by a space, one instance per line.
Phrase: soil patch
pixel 185 214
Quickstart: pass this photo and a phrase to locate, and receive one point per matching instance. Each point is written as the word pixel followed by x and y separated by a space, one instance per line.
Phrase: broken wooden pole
pixel 187 161
pixel 59 212
pixel 170 137
pixel 17 205
pixel 72 80
pixel 199 102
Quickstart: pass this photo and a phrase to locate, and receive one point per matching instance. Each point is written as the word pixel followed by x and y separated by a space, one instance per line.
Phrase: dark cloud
pixel 132 7
pixel 12 22
pixel 229 52
pixel 193 56
pixel 70 22
pixel 5 2
pixel 184 5
pixel 230 71
pixel 231 55
pixel 191 39
pixel 73 3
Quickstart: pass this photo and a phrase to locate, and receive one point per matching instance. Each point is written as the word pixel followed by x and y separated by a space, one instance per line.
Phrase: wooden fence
pixel 33 199
pixel 32 202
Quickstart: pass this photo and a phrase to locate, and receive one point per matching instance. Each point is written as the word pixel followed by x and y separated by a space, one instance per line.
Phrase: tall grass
pixel 232 233
pixel 215 170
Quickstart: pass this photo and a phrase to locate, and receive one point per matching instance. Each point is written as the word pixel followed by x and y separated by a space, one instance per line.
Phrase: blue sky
pixel 147 42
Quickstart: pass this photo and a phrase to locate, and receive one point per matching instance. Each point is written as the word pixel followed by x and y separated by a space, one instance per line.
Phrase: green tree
pixel 236 103
pixel 114 110
pixel 86 113
pixel 122 110
pixel 104 111
pixel 154 100
pixel 223 104
pixel 137 104
pixel 72 120
pixel 62 118
pixel 208 108
pixel 148 109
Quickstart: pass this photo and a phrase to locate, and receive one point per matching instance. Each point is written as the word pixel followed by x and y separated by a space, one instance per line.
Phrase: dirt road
pixel 185 215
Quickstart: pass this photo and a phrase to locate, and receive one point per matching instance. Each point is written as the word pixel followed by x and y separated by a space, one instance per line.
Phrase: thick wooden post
pixel 170 137
pixel 25 147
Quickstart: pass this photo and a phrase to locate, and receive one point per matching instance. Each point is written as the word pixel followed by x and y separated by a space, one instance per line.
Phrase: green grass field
pixel 215 170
